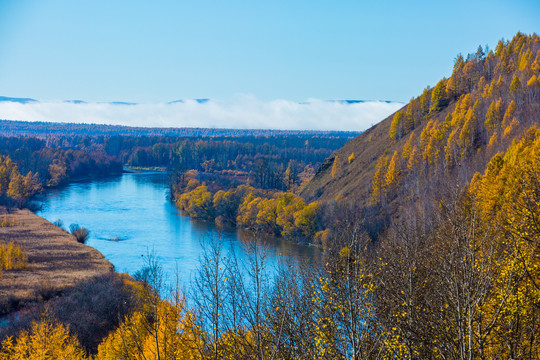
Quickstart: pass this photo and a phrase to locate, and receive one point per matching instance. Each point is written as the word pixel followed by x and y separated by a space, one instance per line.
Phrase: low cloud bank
pixel 243 112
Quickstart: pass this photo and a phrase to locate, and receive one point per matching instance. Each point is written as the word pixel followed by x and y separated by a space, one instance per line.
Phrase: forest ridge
pixel 451 129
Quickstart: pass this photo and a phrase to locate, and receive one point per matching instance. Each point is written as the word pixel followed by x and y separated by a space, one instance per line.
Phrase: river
pixel 135 211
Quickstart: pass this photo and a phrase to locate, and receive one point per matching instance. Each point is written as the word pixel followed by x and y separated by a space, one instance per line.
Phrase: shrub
pixel 351 158
pixel 59 223
pixel 81 234
pixel 12 257
pixel 91 309
pixel 46 291
pixel 8 221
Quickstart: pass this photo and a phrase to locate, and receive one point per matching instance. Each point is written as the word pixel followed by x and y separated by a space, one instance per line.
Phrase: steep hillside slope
pixel 353 180
pixel 444 135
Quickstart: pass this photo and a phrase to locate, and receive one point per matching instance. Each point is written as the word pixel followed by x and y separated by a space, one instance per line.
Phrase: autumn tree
pixel 351 158
pixel 57 172
pixel 397 126
pixel 336 167
pixel 345 315
pixel 494 115
pixel 407 148
pixel 393 173
pixel 21 188
pixel 425 101
pixel 288 207
pixel 508 193
pixel 515 85
pixel 46 339
pixel 160 328
pixel 456 83
pixel 378 184
pixel 307 219
pixel 438 97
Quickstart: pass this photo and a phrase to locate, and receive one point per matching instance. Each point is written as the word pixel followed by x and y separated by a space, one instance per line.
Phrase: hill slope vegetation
pixel 444 135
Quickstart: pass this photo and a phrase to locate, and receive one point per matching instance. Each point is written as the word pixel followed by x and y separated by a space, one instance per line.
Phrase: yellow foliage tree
pixel 396 127
pixel 378 184
pixel 425 101
pixel 197 203
pixel 171 335
pixel 288 206
pixel 247 213
pixel 493 140
pixel 57 172
pixel 267 216
pixel 307 219
pixel 414 159
pixel 12 257
pixel 351 158
pixel 494 115
pixel 509 195
pixel 23 187
pixel 532 81
pixel 46 340
pixel 438 97
pixel 407 148
pixel 509 114
pixel 515 85
pixel 336 167
pixel 393 174
pixel 7 170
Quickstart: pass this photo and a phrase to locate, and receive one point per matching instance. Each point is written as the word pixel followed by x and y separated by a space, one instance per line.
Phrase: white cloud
pixel 243 112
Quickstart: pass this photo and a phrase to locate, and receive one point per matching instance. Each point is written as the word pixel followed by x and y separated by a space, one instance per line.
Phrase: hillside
pixel 444 135
pixel 354 179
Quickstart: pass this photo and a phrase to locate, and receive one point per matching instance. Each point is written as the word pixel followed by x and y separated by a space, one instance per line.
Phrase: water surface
pixel 135 211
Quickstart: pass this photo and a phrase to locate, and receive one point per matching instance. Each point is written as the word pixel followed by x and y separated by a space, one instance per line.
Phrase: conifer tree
pixel 378 185
pixel 393 173
pixel 351 158
pixel 438 97
pixel 336 167
pixel 396 128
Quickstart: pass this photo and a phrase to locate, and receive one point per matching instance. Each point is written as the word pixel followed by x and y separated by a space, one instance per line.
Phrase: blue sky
pixel 157 51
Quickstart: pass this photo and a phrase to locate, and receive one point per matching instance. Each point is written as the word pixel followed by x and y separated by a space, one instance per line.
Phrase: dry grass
pixel 54 257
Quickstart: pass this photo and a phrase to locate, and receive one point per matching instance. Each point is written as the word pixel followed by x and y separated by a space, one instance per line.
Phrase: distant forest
pixel 47 129
pixel 55 153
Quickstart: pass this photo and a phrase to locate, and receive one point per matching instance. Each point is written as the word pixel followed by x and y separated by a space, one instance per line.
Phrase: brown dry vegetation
pixel 55 259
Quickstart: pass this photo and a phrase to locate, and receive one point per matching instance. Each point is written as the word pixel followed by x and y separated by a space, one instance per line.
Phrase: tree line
pixel 275 213
pixel 263 161
pixel 15 188
pixel 47 129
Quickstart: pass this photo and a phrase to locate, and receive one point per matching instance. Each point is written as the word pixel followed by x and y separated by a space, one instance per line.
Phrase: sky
pixel 153 52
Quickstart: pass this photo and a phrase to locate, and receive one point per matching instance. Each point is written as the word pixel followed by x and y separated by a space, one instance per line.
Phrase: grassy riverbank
pixel 55 260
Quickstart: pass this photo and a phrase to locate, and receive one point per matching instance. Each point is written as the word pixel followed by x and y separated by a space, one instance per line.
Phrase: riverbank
pixel 56 261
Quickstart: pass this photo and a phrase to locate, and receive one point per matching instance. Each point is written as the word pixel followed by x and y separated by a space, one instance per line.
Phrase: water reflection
pixel 130 215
